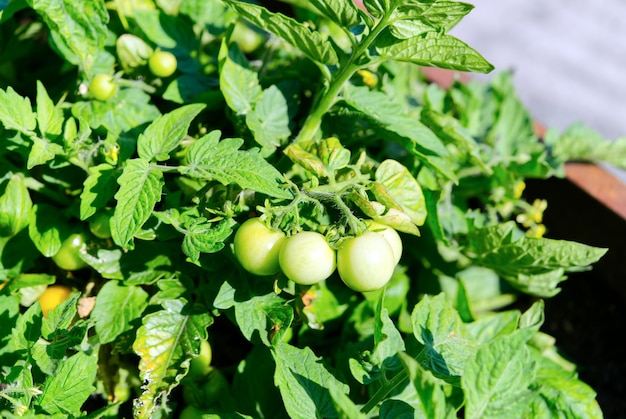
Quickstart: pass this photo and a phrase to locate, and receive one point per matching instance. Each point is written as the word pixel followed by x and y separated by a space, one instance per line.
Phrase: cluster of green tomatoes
pixel 365 262
pixel 161 64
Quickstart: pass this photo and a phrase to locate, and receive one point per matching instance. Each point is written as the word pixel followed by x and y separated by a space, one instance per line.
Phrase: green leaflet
pixel 404 189
pixel 164 134
pixel 67 390
pixel 311 43
pixel 342 12
pixel 140 189
pixel 78 28
pixel 98 189
pixel 536 265
pixel 239 85
pixel 496 383
pixel 434 49
pixel 164 344
pixel 16 112
pixel 304 382
pixel 116 307
pixel 15 207
pixel 438 326
pixel 211 159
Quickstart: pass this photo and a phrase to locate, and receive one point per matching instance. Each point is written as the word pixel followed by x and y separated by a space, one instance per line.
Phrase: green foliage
pixel 326 125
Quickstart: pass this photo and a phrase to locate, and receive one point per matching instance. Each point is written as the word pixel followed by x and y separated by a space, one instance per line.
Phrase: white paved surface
pixel 568 56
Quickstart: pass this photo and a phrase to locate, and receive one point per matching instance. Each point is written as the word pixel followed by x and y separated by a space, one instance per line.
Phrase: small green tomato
pixel 365 262
pixel 306 258
pixel 102 87
pixel 257 247
pixel 162 63
pixel 68 256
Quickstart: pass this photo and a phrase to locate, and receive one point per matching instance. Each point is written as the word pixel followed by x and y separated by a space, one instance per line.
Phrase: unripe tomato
pixel 102 87
pixel 68 256
pixel 100 225
pixel 200 366
pixel 247 38
pixel 365 262
pixel 391 235
pixel 257 247
pixel 162 63
pixel 52 297
pixel 306 258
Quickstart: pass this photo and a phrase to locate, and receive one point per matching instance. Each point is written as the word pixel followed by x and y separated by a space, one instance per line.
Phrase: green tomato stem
pixel 384 391
pixel 327 97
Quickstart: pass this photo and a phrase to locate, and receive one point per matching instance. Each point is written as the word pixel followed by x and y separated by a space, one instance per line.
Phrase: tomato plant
pixel 102 87
pixel 162 63
pixel 68 256
pixel 320 129
pixel 52 297
pixel 257 247
pixel 306 258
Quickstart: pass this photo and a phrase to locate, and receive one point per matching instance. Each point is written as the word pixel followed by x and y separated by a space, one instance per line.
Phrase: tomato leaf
pixel 432 398
pixel 49 116
pixel 438 326
pixel 269 121
pixel 310 42
pixel 16 112
pixel 46 232
pixel 211 159
pixel 15 207
pixel 116 307
pixel 411 20
pixel 128 110
pixel 343 12
pixel 165 133
pixel 535 265
pixel 304 382
pixel 98 189
pixel 67 390
pixel 140 189
pixel 493 382
pixel 79 27
pixel 434 49
pixel 165 343
pixel 403 187
pixel 238 83
pixel 205 238
pixel 563 388
pixel 393 124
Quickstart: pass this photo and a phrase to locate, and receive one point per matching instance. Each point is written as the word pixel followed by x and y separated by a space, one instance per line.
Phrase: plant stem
pixel 384 391
pixel 328 96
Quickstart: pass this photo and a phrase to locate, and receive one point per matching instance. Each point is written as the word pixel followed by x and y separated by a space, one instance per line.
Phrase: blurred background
pixel 567 57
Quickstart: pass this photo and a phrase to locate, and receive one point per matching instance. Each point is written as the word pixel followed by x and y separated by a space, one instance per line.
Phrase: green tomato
pixel 365 262
pixel 257 247
pixel 68 256
pixel 306 258
pixel 200 365
pixel 247 38
pixel 100 225
pixel 391 235
pixel 162 63
pixel 102 87
pixel 208 392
